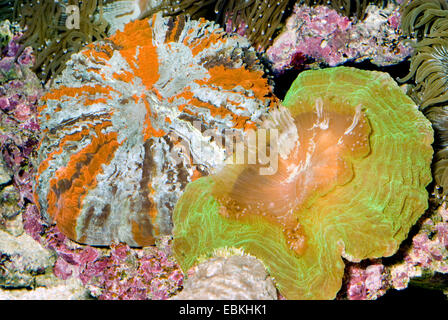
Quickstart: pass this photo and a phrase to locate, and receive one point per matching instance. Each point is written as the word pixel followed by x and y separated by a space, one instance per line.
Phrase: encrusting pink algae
pixel 327 37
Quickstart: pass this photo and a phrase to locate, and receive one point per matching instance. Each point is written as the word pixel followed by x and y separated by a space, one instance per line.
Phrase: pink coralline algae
pixel 119 273
pixel 428 254
pixel 424 261
pixel 147 274
pixel 122 274
pixel 366 283
pixel 19 92
pixel 325 36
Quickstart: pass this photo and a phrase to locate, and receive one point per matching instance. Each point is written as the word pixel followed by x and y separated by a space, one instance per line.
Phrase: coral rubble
pixel 118 272
pixel 144 274
pixel 356 8
pixel 427 255
pixel 19 92
pixel 21 259
pixel 367 283
pixel 422 262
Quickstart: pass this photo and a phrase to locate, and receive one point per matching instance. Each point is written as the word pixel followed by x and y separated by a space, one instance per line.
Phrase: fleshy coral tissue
pixel 350 183
pixel 133 119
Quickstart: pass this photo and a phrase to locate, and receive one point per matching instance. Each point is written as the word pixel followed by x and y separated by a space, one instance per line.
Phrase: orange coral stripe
pixel 97 56
pixel 93 101
pixel 240 122
pixel 145 64
pixel 57 94
pixel 196 175
pixel 140 31
pixel 148 130
pixel 205 42
pixel 148 66
pixel 71 137
pixel 173 32
pixel 66 207
pixel 124 76
pixel 76 136
pixel 228 79
pixel 98 49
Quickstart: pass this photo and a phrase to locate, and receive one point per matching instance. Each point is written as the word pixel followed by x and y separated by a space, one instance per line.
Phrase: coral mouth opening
pixel 327 139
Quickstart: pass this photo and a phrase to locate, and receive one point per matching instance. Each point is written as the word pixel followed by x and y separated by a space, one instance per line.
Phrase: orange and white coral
pixel 134 118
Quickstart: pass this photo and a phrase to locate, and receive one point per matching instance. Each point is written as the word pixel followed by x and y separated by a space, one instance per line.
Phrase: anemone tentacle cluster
pixel 51 37
pixel 426 20
pixel 355 8
pixel 258 19
pixel 134 118
pixel 350 183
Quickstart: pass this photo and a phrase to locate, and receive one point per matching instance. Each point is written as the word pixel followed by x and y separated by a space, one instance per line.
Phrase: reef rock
pixel 50 288
pixel 238 277
pixel 5 172
pixel 22 259
pixel 9 196
pixel 325 36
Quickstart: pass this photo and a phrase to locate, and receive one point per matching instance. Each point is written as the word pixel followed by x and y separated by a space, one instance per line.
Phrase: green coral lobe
pixel 366 217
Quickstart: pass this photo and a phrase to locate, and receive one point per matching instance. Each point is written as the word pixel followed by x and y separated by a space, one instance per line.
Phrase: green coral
pixel 366 217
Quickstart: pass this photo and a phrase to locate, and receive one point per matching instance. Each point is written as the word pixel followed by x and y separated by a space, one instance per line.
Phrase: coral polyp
pixel 354 161
pixel 131 121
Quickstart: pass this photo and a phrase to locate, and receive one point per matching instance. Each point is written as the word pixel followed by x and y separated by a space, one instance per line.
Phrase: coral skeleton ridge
pixel 352 185
pixel 134 118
